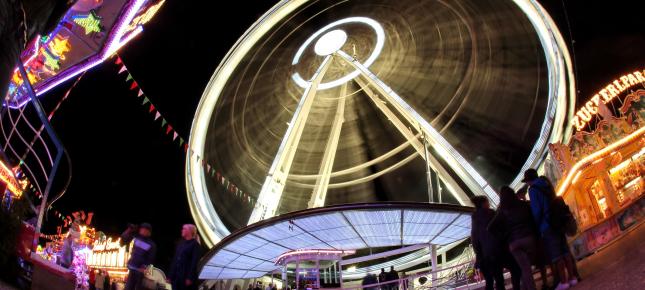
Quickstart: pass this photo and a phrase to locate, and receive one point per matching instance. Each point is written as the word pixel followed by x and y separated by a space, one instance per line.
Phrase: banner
pixel 169 130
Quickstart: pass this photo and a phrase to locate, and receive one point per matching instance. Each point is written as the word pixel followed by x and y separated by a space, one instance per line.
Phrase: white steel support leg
pixel 414 141
pixel 322 182
pixel 433 257
pixel 269 198
pixel 458 164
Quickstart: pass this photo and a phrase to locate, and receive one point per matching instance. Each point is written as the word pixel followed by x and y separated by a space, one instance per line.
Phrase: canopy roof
pixel 252 251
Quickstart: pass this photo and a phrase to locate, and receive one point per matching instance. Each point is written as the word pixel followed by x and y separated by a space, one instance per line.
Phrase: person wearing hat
pixel 542 193
pixel 142 254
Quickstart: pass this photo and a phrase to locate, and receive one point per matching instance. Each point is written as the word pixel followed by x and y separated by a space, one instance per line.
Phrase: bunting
pixel 226 183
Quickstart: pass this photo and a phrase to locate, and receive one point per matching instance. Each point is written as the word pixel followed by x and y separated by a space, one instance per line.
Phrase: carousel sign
pixel 106 245
pixel 607 94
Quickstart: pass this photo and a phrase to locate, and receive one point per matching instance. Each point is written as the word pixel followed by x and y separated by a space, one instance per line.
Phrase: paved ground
pixel 621 265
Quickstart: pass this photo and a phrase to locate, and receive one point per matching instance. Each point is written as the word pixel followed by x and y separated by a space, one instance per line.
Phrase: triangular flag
pixel 168 129
pixel 174 136
pixel 212 173
pixel 186 147
pixel 140 93
pixel 118 60
pixel 157 115
pixel 122 69
pixel 152 108
pixel 163 121
pixel 181 141
pixel 134 85
pixel 145 100
pixel 209 167
pixel 129 77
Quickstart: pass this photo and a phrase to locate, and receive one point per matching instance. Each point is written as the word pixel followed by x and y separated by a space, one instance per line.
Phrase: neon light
pixel 115 41
pixel 7 176
pixel 51 62
pixel 145 17
pixel 596 155
pixel 606 95
pixel 302 252
pixel 91 22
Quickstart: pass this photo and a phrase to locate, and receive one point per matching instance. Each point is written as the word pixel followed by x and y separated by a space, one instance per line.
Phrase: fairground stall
pixel 601 169
pixel 89 33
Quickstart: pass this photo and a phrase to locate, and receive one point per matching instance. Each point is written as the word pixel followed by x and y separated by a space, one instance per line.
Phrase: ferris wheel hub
pixel 330 42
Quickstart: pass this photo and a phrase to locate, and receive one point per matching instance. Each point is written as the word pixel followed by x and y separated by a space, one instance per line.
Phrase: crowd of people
pixel 521 235
pixel 387 280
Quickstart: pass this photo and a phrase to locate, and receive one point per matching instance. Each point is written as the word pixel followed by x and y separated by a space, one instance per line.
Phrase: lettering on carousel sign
pixel 106 245
pixel 604 96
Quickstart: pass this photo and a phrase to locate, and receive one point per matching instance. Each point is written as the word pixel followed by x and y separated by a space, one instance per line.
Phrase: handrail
pixel 57 143
pixel 411 277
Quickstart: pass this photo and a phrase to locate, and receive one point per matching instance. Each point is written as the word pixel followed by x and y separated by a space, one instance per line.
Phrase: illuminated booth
pixel 88 34
pixel 601 169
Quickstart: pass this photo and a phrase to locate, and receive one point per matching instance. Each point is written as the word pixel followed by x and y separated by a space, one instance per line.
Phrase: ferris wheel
pixel 332 102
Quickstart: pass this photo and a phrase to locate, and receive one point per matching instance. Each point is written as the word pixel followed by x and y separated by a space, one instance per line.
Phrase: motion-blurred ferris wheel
pixel 333 102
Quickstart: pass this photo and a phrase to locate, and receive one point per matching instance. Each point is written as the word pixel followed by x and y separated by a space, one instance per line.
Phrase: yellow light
pixel 597 155
pixel 619 166
pixel 608 93
pixel 7 176
pixel 145 17
pixel 59 46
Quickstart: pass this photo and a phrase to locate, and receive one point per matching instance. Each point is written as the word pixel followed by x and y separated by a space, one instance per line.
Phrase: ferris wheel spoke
pixel 461 168
pixel 274 184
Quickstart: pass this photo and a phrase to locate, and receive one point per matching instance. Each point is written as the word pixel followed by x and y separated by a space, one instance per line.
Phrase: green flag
pixel 145 100
pixel 163 122
pixel 129 77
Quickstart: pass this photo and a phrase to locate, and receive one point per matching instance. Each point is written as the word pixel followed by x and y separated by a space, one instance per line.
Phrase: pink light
pixel 300 252
pixel 115 42
pixel 122 24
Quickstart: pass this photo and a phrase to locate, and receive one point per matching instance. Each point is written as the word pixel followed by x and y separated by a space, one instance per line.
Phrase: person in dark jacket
pixel 183 271
pixel 369 279
pixel 514 221
pixel 542 193
pixel 382 278
pixel 491 252
pixel 142 254
pixel 393 275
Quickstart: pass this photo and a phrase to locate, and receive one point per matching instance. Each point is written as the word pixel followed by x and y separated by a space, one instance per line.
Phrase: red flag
pixel 186 148
pixel 168 129
pixel 152 108
pixel 118 60
pixel 134 85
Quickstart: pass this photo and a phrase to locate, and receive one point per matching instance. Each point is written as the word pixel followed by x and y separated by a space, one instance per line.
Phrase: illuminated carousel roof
pixel 252 252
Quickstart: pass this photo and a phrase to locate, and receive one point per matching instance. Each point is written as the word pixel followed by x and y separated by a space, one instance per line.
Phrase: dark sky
pixel 125 169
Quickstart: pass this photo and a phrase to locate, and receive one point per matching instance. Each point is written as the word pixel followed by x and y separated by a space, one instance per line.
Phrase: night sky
pixel 125 169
